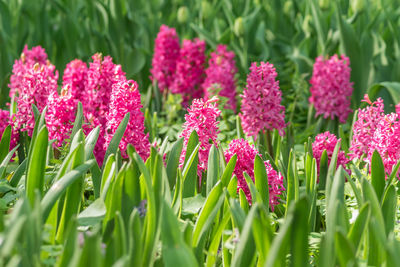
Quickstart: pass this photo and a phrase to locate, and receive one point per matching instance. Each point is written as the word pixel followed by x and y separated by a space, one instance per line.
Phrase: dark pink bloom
pixel 189 74
pixel 5 120
pixel 365 126
pixel 246 154
pixel 36 86
pixel 386 140
pixel 327 141
pixel 220 76
pixel 331 88
pixel 125 98
pixel 202 118
pixel 166 53
pixel 75 79
pixel 261 104
pixel 60 116
pixel 28 58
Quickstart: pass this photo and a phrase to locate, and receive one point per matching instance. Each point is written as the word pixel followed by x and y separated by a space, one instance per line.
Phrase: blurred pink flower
pixel 331 88
pixel 28 58
pixel 246 154
pixel 365 126
pixel 327 141
pixel 125 97
pixel 261 105
pixel 75 78
pixel 37 84
pixel 60 116
pixel 220 74
pixel 202 118
pixel 166 53
pixel 189 74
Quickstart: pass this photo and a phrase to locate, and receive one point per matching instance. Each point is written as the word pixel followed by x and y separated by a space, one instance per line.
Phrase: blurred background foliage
pixel 290 34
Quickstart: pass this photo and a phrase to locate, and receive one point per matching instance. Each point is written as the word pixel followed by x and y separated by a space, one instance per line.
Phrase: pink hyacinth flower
pixel 75 79
pixel 220 74
pixel 261 105
pixel 189 74
pixel 327 141
pixel 246 154
pixel 166 53
pixel 386 140
pixel 21 66
pixel 331 88
pixel 365 126
pixel 36 86
pixel 60 116
pixel 125 97
pixel 202 118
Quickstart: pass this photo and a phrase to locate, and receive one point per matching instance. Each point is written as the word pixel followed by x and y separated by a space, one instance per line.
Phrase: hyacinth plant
pixel 261 110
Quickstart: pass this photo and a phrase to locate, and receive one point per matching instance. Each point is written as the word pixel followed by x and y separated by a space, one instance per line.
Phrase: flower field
pixel 199 133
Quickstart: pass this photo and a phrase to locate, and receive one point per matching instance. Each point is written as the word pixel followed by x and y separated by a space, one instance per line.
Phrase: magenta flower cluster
pixel 189 73
pixel 166 53
pixel 365 126
pixel 331 88
pixel 125 97
pixel 327 141
pixel 202 118
pixel 220 76
pixel 246 154
pixel 261 105
pixel 102 88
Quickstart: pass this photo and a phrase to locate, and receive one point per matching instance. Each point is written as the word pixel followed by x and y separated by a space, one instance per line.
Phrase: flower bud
pixel 183 14
pixel 323 4
pixel 238 27
pixel 357 5
pixel 206 9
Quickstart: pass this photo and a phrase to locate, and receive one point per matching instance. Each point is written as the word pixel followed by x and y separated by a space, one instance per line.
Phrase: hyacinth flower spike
pixel 261 110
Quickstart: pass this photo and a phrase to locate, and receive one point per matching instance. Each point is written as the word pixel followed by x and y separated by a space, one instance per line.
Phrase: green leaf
pixel 261 180
pixel 292 181
pixel 190 173
pixel 19 172
pixel 36 165
pixel 78 120
pixel 344 249
pixel 192 205
pixel 212 168
pixel 323 169
pixel 59 187
pixel 389 208
pixel 6 160
pixel 299 239
pixel 357 230
pixel 93 214
pixel 227 174
pixel 208 212
pixel 173 161
pixel 377 174
pixel 5 142
pixel 114 143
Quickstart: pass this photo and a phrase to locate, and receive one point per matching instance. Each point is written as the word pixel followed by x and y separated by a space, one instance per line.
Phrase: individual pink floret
pixel 60 116
pixel 246 154
pixel 365 126
pixel 261 105
pixel 125 98
pixel 189 74
pixel 327 141
pixel 166 53
pixel 331 88
pixel 220 76
pixel 202 118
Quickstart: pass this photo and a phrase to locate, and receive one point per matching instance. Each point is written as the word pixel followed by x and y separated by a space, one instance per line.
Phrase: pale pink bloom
pixel 60 116
pixel 125 98
pixel 75 79
pixel 331 88
pixel 189 74
pixel 365 126
pixel 246 154
pixel 28 58
pixel 36 86
pixel 166 53
pixel 202 118
pixel 261 105
pixel 220 75
pixel 327 141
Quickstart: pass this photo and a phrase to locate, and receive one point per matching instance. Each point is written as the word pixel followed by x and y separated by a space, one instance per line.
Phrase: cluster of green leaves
pixel 134 213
